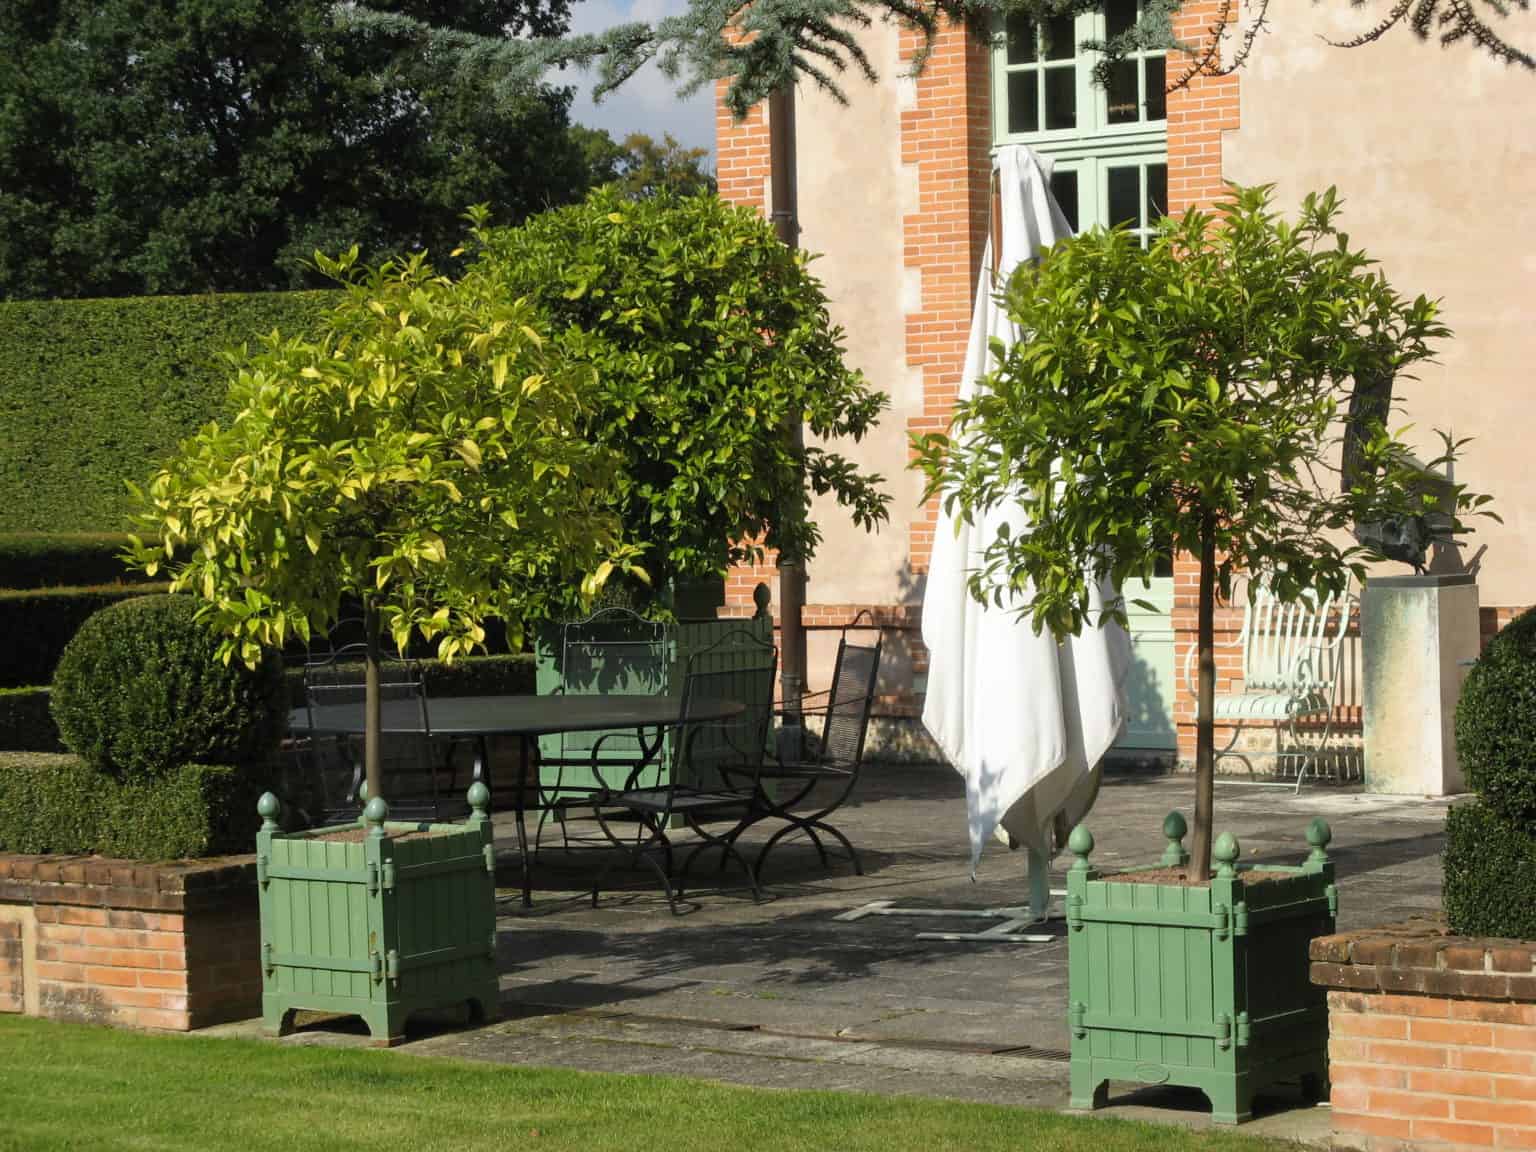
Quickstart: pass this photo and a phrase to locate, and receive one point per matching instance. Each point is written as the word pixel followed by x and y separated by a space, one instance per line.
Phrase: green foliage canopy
pixel 182 146
pixel 1191 394
pixel 422 454
pixel 641 165
pixel 706 335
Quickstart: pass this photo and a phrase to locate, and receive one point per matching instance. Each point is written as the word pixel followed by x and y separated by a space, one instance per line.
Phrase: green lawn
pixel 77 1087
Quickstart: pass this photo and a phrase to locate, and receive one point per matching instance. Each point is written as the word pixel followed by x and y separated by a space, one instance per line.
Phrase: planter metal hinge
pixel 1240 920
pixel 489 852
pixel 1076 1015
pixel 1333 900
pixel 1242 1029
pixel 266 959
pixel 490 945
pixel 389 875
pixel 261 869
pixel 1075 913
pixel 1223 920
pixel 373 878
pixel 375 966
pixel 392 966
pixel 1223 1031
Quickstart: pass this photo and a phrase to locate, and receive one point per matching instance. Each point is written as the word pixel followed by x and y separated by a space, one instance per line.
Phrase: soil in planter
pixel 1181 878
pixel 358 835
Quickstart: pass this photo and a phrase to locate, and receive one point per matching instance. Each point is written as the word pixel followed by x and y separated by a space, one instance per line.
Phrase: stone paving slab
pixel 783 994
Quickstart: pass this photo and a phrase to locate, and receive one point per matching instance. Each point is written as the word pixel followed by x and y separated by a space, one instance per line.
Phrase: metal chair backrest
pixel 849 702
pixel 738 667
pixel 1283 643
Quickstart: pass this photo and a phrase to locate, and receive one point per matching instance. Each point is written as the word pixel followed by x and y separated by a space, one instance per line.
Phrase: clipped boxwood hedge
pixel 96 392
pixel 49 559
pixel 1496 723
pixel 37 624
pixel 142 688
pixel 25 722
pixel 1490 874
pixel 59 804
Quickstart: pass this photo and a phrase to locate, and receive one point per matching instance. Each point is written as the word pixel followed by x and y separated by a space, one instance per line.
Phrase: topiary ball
pixel 141 690
pixel 1496 723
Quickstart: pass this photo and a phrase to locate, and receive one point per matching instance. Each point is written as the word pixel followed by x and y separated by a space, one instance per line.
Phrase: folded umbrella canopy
pixel 1024 719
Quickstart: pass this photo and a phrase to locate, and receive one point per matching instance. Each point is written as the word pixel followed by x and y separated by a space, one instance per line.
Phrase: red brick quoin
pixel 174 946
pixel 1431 1039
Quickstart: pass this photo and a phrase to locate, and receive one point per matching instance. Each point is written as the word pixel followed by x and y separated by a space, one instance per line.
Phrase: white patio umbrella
pixel 1024 719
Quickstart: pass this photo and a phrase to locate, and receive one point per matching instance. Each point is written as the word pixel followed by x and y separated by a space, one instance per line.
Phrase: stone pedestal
pixel 1417 634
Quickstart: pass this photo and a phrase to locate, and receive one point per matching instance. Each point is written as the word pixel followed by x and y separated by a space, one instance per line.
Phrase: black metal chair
pixel 613 652
pixel 413 764
pixel 713 767
pixel 833 772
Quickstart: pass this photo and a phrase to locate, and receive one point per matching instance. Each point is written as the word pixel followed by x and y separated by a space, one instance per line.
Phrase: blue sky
pixel 648 102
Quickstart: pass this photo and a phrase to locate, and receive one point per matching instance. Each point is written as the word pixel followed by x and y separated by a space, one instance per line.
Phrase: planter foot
pixel 277 1023
pixel 1231 1103
pixel 1087 1096
pixel 1314 1088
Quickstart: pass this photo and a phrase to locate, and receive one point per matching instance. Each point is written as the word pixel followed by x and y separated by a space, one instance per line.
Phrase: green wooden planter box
pixel 379 927
pixel 1205 987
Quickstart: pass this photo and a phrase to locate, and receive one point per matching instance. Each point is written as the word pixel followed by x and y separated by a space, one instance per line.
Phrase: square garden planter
pixel 378 921
pixel 1202 986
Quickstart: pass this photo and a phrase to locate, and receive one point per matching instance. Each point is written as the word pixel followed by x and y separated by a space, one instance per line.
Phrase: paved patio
pixel 785 994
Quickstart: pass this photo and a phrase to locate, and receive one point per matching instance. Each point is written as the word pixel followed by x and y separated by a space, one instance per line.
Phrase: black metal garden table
pixel 478 718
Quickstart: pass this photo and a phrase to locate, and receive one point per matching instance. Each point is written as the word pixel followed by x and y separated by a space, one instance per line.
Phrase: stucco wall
pixel 1434 151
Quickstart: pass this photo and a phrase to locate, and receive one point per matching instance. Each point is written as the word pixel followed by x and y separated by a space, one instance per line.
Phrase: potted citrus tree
pixel 420 455
pixel 1191 397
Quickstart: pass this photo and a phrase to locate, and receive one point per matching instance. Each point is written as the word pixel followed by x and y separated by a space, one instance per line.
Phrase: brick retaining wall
pixel 173 946
pixel 1432 1039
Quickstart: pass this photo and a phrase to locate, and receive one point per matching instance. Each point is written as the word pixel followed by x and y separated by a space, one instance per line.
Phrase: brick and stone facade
pixel 169 946
pixel 1432 1039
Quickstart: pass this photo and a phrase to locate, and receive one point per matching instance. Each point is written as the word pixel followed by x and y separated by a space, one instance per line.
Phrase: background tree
pixel 179 146
pixel 423 455
pixel 1190 397
pixel 641 165
pixel 705 334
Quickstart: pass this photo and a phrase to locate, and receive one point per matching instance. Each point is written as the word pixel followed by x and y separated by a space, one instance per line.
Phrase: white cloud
pixel 648 101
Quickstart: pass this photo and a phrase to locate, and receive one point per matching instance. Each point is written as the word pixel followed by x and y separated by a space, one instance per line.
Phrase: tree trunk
pixel 373 708
pixel 1205 726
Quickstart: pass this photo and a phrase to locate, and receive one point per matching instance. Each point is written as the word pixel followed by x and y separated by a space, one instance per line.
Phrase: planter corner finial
pixel 1080 844
pixel 1319 834
pixel 375 814
pixel 479 803
pixel 1175 829
pixel 1227 852
pixel 269 807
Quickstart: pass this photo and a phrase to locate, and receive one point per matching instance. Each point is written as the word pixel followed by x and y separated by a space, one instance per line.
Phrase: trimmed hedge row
pixel 96 392
pixel 37 624
pixel 466 676
pixel 26 725
pixel 48 559
pixel 1490 874
pixel 59 804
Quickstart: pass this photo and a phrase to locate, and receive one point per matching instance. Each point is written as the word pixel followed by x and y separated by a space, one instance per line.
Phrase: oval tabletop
pixel 513 715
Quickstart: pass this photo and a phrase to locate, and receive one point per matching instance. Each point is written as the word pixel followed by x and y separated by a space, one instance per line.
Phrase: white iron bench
pixel 1292 660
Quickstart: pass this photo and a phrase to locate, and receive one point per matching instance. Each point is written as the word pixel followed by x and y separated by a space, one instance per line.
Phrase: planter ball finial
pixel 375 814
pixel 1318 835
pixel 268 808
pixel 1080 843
pixel 1175 829
pixel 479 798
pixel 760 598
pixel 1227 852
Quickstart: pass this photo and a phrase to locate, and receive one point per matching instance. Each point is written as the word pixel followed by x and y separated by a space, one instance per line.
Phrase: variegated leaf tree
pixel 420 455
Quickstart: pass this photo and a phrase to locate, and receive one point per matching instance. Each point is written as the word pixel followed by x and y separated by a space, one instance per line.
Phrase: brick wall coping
pixel 98 881
pixel 1422 957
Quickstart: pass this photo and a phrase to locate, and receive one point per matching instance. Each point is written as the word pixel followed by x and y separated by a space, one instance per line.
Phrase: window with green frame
pixel 1109 143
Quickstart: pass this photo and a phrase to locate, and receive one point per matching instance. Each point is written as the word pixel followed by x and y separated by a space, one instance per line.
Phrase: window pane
pixel 1021 40
pixel 1060 42
pixel 1124 100
pixel 1023 102
pixel 1119 16
pixel 1157 192
pixel 1061 97
pixel 1157 99
pixel 1124 196
pixel 1064 188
